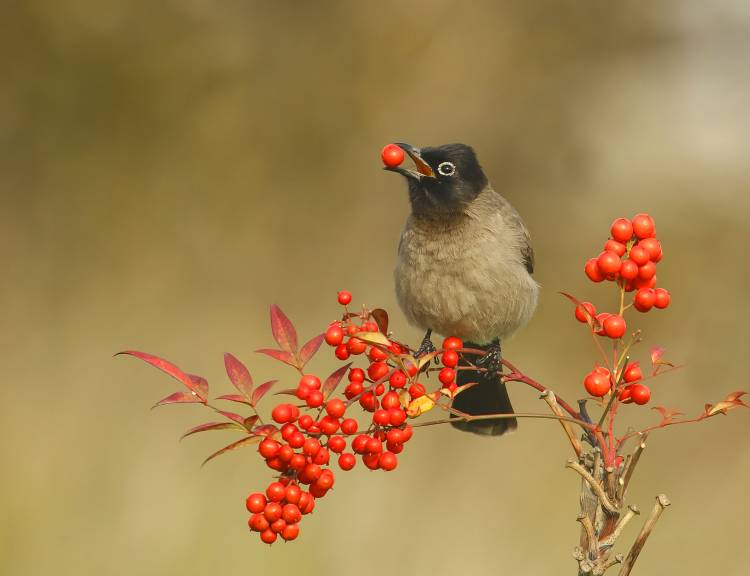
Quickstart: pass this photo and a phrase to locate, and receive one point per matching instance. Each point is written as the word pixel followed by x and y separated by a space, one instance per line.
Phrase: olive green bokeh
pixel 169 169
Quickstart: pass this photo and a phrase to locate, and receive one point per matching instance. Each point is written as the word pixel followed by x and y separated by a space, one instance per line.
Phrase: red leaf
pixel 667 415
pixel 260 391
pixel 381 319
pixel 281 355
pixel 211 426
pixel 239 375
pixel 329 386
pixel 232 416
pixel 309 349
pixel 250 422
pixel 170 369
pixel 238 444
pixel 179 398
pixel 200 383
pixel 286 392
pixel 283 330
pixel 235 398
pixel 266 430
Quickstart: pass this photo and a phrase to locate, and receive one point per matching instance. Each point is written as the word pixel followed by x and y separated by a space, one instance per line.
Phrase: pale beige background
pixel 169 169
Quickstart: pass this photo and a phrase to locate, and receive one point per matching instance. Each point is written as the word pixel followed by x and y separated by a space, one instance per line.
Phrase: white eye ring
pixel 447 169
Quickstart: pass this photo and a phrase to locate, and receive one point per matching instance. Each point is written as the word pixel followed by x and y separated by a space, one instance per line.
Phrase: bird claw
pixel 492 361
pixel 426 347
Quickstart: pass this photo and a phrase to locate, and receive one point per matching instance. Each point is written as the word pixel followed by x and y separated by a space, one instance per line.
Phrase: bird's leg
pixel 426 346
pixel 492 359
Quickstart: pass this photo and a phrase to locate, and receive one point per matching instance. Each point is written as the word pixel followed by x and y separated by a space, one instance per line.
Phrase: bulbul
pixel 464 269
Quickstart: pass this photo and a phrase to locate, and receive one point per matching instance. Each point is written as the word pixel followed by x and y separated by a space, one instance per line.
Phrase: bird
pixel 464 268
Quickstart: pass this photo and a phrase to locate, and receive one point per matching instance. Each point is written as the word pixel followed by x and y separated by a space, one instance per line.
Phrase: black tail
pixel 488 397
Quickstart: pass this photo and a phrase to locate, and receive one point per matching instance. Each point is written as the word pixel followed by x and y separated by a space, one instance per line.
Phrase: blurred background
pixel 170 169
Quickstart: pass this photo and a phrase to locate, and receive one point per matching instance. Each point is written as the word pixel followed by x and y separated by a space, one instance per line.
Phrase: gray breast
pixel 466 276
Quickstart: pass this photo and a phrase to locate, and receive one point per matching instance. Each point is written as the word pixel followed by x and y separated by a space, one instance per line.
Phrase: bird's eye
pixel 447 168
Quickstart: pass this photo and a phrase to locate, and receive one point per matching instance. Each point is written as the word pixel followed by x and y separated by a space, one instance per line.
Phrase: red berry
pixel 272 511
pixel 368 401
pixel 450 358
pixel 336 444
pixel 347 461
pixel 376 354
pixel 584 311
pixel 452 343
pixel 609 263
pixel 388 461
pixel 342 351
pixel 653 247
pixel 643 226
pixel 446 376
pixel 600 318
pixel 390 400
pixel 592 270
pixel 311 446
pixel 614 326
pixel 622 230
pixel 335 408
pixel 416 390
pixel 328 425
pixel 258 522
pixel 641 283
pixel 408 432
pixel 310 380
pixel 644 299
pixel 632 372
pixel 282 413
pixel 255 503
pixel 372 461
pixel 356 375
pixel 662 298
pixel 305 421
pixel 268 536
pixel 268 448
pixel 392 155
pixel 625 395
pixel 325 482
pixel 370 327
pixel 381 417
pixel 639 255
pixel 297 440
pixel 397 379
pixel 275 491
pixel 647 271
pixel 297 462
pixel 290 532
pixel 597 382
pixel 315 399
pixel 396 416
pixel 359 444
pixel 640 393
pixel 334 335
pixel 356 346
pixel 377 370
pixel 614 246
pixel 374 446
pixel 293 493
pixel 344 297
pixel 349 426
pixel 629 269
pixel 291 514
pixel 279 525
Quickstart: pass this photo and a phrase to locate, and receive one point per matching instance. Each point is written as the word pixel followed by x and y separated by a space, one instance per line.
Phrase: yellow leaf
pixel 373 338
pixel 419 406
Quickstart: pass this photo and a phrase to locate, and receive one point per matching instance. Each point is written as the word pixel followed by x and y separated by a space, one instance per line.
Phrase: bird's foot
pixel 492 361
pixel 426 347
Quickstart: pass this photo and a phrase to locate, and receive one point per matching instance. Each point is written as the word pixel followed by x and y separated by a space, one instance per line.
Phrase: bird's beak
pixel 422 168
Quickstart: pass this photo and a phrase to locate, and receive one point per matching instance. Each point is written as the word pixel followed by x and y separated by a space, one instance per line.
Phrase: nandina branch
pixel 661 503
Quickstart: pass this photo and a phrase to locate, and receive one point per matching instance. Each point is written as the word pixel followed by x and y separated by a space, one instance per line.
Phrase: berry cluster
pixel 629 258
pixel 312 432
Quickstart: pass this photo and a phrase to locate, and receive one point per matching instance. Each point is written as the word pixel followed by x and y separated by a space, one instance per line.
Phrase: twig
pixel 596 487
pixel 630 467
pixel 627 517
pixel 661 503
pixel 602 568
pixel 591 543
pixel 551 400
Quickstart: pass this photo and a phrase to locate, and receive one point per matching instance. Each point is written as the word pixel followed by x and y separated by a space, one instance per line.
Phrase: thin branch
pixel 661 503
pixel 463 417
pixel 596 487
pixel 551 400
pixel 630 467
pixel 627 517
pixel 591 543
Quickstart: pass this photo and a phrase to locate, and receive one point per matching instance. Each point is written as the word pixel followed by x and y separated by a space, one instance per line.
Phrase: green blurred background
pixel 169 169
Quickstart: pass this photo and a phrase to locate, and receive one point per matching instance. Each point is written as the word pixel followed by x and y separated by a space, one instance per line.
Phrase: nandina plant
pixel 372 418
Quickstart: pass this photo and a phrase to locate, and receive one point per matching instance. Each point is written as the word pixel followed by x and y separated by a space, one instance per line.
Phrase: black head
pixel 445 179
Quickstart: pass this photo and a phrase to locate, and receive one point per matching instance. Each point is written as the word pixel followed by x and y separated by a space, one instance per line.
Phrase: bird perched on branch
pixel 464 269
